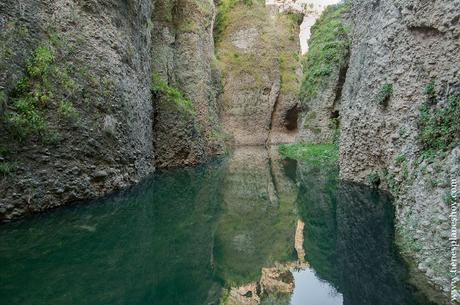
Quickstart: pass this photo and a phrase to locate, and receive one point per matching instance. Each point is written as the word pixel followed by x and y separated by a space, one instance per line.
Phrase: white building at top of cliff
pixel 312 9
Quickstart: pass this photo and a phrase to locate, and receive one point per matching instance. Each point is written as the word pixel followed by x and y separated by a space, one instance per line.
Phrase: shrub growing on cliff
pixel 6 168
pixel 384 94
pixel 31 94
pixel 40 64
pixel 439 125
pixel 327 53
pixel 430 91
pixel 223 8
pixel 172 95
pixel 373 179
pixel 67 110
pixel 35 92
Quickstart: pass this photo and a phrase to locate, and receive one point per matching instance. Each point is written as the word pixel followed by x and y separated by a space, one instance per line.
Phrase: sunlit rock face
pixel 258 53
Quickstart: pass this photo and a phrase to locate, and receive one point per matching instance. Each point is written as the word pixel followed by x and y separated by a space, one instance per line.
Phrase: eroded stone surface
pixel 406 44
pixel 245 39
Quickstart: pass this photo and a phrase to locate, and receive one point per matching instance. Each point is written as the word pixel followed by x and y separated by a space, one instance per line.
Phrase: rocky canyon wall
pixel 77 115
pixel 183 56
pixel 258 50
pixel 397 115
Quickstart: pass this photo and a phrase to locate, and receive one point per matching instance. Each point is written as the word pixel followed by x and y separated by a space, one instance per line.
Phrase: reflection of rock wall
pixel 143 258
pixel 256 227
pixel 348 239
pixel 275 286
pixel 316 205
pixel 365 232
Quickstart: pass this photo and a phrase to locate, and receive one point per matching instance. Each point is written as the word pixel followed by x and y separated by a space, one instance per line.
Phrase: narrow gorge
pixel 231 152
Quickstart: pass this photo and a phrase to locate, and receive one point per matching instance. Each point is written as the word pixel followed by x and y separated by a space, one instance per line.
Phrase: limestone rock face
pixel 406 45
pixel 258 52
pixel 100 67
pixel 84 70
pixel 183 55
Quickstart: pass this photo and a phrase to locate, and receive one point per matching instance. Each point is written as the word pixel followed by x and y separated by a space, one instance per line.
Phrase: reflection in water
pixel 139 247
pixel 349 234
pixel 318 292
pixel 229 232
pixel 255 228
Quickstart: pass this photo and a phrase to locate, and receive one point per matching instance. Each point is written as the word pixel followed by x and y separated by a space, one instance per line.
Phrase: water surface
pixel 229 232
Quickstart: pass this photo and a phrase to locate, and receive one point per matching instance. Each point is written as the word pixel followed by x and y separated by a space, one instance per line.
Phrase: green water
pixel 188 236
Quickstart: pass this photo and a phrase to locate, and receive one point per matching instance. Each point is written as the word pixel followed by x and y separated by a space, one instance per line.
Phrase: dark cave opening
pixel 291 117
pixel 334 114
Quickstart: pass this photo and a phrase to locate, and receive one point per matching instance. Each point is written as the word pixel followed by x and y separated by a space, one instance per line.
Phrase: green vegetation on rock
pixel 172 95
pixel 439 124
pixel 67 110
pixel 222 18
pixel 384 94
pixel 30 96
pixel 45 86
pixel 256 51
pixel 6 168
pixel 328 51
pixel 430 91
pixel 311 153
pixel 373 179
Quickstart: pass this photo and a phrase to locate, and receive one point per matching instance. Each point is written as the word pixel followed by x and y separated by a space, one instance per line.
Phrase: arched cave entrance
pixel 291 117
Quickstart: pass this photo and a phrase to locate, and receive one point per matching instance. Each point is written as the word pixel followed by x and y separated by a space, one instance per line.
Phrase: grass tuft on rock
pixel 328 51
pixel 25 111
pixel 439 125
pixel 222 19
pixel 172 95
pixel 7 168
pixel 30 95
pixel 384 94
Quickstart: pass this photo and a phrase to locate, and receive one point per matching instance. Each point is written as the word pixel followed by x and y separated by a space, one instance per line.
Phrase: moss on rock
pixel 328 51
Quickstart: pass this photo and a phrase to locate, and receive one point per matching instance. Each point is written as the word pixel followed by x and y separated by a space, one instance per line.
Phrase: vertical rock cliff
pixel 258 52
pixel 77 115
pixel 183 56
pixel 398 117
